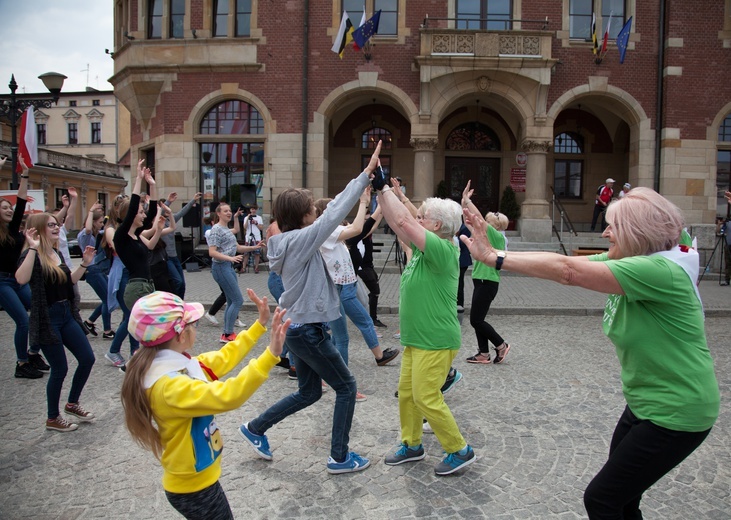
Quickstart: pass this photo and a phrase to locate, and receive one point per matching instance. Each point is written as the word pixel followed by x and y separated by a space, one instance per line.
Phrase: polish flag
pixel 28 145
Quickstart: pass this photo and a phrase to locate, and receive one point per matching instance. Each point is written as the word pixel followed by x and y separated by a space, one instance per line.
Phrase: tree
pixel 508 205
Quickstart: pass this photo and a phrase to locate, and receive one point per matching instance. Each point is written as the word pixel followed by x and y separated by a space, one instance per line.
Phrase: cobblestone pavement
pixel 540 425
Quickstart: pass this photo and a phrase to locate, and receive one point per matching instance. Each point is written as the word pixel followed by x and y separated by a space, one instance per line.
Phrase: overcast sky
pixel 38 36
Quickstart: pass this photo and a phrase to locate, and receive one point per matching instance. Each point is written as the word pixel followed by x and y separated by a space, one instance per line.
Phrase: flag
pixel 593 34
pixel 28 145
pixel 606 36
pixel 345 35
pixel 361 24
pixel 623 38
pixel 363 33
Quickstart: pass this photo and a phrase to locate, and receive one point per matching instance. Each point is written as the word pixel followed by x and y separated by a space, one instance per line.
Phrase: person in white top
pixel 252 226
pixel 627 186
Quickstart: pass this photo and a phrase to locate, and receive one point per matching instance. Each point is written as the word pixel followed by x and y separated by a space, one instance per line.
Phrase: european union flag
pixel 363 33
pixel 623 38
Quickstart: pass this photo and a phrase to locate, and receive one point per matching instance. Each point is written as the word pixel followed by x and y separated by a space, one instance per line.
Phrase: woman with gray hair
pixel 430 331
pixel 654 317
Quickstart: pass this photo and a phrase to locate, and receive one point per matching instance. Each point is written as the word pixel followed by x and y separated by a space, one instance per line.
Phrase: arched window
pixel 473 136
pixel 723 167
pixel 568 165
pixel 368 141
pixel 235 166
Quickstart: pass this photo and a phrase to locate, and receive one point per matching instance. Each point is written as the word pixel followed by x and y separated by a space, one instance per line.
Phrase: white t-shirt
pixel 250 228
pixel 337 258
pixel 63 247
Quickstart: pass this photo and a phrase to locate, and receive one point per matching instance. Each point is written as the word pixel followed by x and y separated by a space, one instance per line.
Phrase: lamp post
pixel 13 109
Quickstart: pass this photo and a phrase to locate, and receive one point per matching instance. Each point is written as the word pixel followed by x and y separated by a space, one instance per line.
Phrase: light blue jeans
pixel 351 307
pixel 224 275
pixel 15 299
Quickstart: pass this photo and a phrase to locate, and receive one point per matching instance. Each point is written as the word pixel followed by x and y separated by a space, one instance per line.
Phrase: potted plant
pixel 510 207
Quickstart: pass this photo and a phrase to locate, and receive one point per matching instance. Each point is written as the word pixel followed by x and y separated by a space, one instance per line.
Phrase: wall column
pixel 535 221
pixel 423 167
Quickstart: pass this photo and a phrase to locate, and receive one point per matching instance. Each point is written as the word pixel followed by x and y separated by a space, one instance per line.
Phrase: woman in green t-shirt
pixel 654 317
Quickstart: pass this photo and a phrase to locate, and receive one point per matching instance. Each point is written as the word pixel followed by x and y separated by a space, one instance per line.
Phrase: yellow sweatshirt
pixel 184 399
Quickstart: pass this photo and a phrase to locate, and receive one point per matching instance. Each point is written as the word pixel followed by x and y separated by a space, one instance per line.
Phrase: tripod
pixel 193 256
pixel 720 243
pixel 395 246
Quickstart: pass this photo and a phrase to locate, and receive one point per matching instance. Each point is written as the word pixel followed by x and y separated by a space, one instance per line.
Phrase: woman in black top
pixel 15 298
pixel 52 323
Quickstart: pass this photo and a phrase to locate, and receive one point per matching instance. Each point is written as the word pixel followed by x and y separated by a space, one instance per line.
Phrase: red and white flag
pixel 28 142
pixel 606 35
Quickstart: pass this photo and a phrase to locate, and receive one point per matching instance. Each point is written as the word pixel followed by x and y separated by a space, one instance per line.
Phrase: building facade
pixel 233 97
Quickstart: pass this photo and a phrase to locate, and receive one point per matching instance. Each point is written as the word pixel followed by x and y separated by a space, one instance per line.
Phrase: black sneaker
pixel 453 377
pixel 292 374
pixel 108 335
pixel 378 323
pixel 283 363
pixel 27 371
pixel 91 328
pixel 388 355
pixel 37 362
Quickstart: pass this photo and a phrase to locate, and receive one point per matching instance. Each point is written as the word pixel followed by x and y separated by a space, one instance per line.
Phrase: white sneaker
pixel 240 323
pixel 210 318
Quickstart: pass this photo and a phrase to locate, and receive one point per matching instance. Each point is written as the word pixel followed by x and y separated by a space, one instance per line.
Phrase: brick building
pixel 243 92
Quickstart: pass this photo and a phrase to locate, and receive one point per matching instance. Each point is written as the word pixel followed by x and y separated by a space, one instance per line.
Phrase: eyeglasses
pixel 53 225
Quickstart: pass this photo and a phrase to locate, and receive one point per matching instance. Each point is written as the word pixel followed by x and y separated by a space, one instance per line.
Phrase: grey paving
pixel 540 425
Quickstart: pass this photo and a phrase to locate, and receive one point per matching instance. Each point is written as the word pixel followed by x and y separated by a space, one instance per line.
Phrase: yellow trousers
pixel 419 395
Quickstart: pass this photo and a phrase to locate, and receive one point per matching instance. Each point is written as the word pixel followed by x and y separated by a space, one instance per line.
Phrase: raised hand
pixel 366 195
pixel 279 331
pixel 374 160
pixel 32 238
pixel 65 201
pixel 198 196
pixel 478 244
pixel 96 206
pixel 88 255
pixel 173 197
pixel 72 192
pixel 467 194
pixel 262 305
pixel 141 169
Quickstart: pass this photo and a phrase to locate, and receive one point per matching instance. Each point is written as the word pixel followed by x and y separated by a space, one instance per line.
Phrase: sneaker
pixel 405 454
pixel 359 398
pixel 378 334
pixel 91 328
pixel 460 308
pixel 115 358
pixel 108 335
pixel 225 338
pixel 426 427
pixel 480 358
pixel 456 461
pixel 454 377
pixel 59 424
pixel 77 411
pixel 501 353
pixel 260 443
pixel 724 283
pixel 379 323
pixel 27 371
pixel 292 374
pixel 283 363
pixel 211 318
pixel 352 463
pixel 37 362
pixel 397 335
pixel 240 323
pixel 388 355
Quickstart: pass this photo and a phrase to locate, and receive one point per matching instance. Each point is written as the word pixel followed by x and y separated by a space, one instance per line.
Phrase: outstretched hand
pixel 262 305
pixel 374 161
pixel 467 194
pixel 279 331
pixel 478 244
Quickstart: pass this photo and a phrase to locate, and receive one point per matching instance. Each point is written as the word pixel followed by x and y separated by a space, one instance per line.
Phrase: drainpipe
pixel 660 95
pixel 305 89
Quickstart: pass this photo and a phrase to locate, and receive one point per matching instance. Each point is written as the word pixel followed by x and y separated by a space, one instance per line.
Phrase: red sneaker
pixel 225 338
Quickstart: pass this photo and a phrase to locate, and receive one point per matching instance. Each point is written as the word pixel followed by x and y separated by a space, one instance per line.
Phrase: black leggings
pixel 482 296
pixel 640 454
pixel 370 278
pixel 207 504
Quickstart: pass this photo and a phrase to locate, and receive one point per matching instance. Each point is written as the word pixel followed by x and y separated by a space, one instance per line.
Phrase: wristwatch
pixel 500 259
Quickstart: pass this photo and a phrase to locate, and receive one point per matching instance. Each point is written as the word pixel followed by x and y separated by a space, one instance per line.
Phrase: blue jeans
pixel 15 299
pixel 177 278
pixel 276 288
pixel 316 360
pixel 99 282
pixel 351 307
pixel 224 275
pixel 122 331
pixel 69 332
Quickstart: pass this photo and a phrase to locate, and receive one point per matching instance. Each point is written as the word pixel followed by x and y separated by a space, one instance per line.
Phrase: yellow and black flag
pixel 594 39
pixel 344 37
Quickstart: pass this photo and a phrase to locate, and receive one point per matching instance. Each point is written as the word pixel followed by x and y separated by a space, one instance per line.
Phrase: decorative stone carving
pixel 508 44
pixel 95 116
pixel 465 44
pixel 530 146
pixel 71 115
pixel 424 144
pixel 483 83
pixel 531 45
pixel 440 44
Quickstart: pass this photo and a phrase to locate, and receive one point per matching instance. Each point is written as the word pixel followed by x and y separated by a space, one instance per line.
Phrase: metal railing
pixel 70 162
pixel 557 207
pixel 483 22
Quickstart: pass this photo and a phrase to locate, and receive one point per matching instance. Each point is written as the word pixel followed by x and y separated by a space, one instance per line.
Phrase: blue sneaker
pixel 454 377
pixel 405 454
pixel 351 464
pixel 456 461
pixel 260 443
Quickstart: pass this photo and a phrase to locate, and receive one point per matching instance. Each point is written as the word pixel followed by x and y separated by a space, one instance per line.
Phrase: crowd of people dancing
pixel 315 257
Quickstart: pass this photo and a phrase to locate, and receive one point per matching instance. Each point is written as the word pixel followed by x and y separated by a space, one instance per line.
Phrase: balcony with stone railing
pixel 70 162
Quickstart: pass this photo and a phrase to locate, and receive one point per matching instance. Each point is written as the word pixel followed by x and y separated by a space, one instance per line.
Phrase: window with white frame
pixel 177 18
pixel 492 15
pixel 581 13
pixel 389 21
pixel 568 165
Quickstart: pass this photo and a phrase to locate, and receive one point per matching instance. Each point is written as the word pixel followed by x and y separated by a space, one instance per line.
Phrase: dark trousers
pixel 207 504
pixel 370 279
pixel 161 277
pixel 640 454
pixel 598 210
pixel 460 285
pixel 728 262
pixel 218 303
pixel 482 296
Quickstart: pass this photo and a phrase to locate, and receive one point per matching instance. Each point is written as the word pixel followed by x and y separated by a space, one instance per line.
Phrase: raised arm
pixel 71 210
pixel 400 219
pixel 23 186
pixel 356 227
pixel 402 197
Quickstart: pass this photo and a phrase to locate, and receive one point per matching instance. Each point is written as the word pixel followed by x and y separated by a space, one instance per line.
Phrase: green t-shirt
pixel 658 332
pixel 428 304
pixel 482 271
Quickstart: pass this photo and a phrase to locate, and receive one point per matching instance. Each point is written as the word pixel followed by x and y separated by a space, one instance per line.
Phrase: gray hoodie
pixel 310 295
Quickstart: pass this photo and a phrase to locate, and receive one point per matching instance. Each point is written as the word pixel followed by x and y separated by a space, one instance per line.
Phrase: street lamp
pixel 13 110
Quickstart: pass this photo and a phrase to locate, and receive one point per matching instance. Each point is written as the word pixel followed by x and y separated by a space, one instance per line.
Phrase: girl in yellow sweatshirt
pixel 169 397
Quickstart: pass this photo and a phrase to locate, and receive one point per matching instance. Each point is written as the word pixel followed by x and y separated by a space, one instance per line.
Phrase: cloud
pixel 60 36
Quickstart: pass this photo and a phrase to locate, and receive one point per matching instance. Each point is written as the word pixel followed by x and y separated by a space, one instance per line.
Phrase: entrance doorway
pixel 484 174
